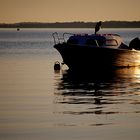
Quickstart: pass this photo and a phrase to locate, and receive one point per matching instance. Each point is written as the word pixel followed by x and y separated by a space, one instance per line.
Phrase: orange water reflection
pixel 118 87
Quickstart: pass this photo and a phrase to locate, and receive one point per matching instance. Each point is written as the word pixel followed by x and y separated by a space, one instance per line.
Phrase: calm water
pixel 38 103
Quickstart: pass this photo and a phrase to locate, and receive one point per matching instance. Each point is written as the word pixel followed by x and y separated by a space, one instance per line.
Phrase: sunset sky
pixel 12 11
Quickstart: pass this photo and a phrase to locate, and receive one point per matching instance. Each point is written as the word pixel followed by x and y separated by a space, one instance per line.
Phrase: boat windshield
pixel 111 42
pixel 94 42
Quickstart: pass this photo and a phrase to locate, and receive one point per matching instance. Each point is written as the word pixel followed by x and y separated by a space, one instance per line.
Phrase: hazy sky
pixel 68 10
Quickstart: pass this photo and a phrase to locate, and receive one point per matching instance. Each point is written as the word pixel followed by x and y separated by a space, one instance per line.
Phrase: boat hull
pixel 87 57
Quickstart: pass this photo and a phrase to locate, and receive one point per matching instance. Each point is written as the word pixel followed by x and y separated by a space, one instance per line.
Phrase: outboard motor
pixel 135 44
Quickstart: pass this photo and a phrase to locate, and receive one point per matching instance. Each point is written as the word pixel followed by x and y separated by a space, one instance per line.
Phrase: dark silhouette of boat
pixel 97 51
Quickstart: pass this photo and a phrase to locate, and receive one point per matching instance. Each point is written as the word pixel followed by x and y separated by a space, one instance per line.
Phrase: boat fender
pixel 57 65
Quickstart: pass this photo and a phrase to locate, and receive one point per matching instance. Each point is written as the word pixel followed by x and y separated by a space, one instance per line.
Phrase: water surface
pixel 38 103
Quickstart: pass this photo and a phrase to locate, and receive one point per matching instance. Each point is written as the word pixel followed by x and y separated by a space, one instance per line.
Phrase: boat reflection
pixel 97 82
pixel 100 89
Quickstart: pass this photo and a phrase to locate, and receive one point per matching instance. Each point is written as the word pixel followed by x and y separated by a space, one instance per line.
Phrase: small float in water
pixel 18 29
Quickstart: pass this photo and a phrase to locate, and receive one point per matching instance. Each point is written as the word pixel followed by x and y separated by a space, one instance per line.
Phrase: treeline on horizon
pixel 105 24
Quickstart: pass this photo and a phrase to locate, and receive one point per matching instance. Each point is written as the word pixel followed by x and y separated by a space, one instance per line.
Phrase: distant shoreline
pixel 106 24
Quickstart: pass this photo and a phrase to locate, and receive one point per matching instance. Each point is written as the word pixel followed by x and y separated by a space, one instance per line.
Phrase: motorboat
pixel 96 51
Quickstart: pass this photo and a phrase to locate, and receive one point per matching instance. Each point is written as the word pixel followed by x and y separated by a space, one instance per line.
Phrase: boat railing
pixel 56 37
pixel 60 39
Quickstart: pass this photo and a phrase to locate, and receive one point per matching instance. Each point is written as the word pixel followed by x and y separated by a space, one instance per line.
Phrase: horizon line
pixel 69 21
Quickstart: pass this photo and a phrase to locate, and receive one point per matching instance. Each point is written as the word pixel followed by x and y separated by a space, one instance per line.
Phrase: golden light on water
pixel 137 71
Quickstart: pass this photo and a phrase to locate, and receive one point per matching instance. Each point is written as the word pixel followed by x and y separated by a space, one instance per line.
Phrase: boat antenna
pixel 98 26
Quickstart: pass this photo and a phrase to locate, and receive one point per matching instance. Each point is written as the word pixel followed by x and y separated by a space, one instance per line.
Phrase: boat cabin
pixel 101 40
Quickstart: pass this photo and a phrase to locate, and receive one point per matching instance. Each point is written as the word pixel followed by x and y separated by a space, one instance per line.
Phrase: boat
pixel 96 51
